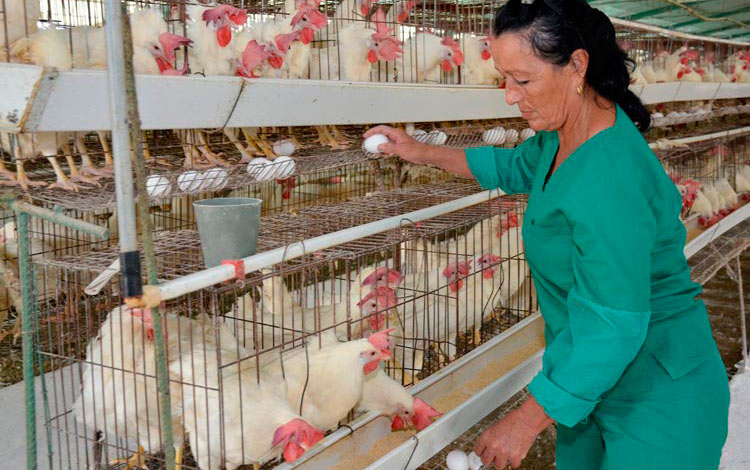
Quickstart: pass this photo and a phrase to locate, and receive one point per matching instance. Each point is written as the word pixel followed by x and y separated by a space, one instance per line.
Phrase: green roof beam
pixel 720 15
pixel 739 35
pixel 652 12
pixel 716 30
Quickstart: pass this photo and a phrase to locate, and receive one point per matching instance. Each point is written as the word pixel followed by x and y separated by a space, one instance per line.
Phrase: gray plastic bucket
pixel 228 227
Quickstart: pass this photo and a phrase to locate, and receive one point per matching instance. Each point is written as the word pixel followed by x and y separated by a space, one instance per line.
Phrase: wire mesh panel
pixel 278 351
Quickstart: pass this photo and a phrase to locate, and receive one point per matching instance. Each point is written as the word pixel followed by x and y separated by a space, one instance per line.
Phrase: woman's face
pixel 543 92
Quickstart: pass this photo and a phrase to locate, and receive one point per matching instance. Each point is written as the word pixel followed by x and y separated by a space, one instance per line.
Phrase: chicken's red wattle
pixel 486 55
pixel 224 35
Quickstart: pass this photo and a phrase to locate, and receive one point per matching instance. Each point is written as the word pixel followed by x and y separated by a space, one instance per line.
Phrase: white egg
pixel 284 167
pixel 371 143
pixel 261 169
pixel 527 133
pixel 214 179
pixel 419 132
pixel 511 136
pixel 284 148
pixel 494 136
pixel 438 137
pixel 190 181
pixel 158 186
pixel 423 137
pixel 457 460
pixel 475 463
pixel 657 115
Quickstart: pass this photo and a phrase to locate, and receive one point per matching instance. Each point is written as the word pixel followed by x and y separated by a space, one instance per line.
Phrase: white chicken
pixel 425 56
pixel 119 391
pixel 20 17
pixel 742 179
pixel 234 418
pixel 383 394
pixel 358 49
pixel 284 320
pixel 325 382
pixel 478 68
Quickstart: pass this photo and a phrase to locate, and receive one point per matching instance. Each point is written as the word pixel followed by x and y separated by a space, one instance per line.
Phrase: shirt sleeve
pixel 613 232
pixel 511 170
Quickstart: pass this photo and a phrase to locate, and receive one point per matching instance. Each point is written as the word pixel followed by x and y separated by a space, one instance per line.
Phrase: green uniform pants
pixel 670 423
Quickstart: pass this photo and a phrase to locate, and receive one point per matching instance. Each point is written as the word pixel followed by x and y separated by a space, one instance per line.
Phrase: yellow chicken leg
pixel 178 458
pixel 137 460
pixel 62 180
pixel 208 154
pixel 21 179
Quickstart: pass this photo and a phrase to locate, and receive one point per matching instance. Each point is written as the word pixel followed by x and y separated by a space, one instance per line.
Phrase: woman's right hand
pixel 401 144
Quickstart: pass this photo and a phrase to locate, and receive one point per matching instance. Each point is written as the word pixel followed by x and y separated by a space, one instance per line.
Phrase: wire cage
pixel 443 287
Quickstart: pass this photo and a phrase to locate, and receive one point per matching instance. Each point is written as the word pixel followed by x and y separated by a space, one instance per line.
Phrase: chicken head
pixel 451 55
pixel 381 45
pixel 379 299
pixel 383 277
pixel 165 55
pixel 484 47
pixel 455 272
pixel 296 437
pixel 371 357
pixel 307 20
pixel 221 18
pixel 252 58
pixel 487 263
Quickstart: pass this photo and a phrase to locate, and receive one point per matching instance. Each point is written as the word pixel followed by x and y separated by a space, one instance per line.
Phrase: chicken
pixel 478 68
pixel 232 415
pixel 456 301
pixel 119 391
pixel 307 20
pixel 350 11
pixel 20 18
pixel 383 394
pixel 742 181
pixel 425 55
pixel 283 320
pixel 358 48
pixel 325 382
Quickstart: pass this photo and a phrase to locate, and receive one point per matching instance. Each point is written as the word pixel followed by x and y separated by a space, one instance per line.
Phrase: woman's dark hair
pixel 557 28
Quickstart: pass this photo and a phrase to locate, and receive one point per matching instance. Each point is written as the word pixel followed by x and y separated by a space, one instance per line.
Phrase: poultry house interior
pixel 354 338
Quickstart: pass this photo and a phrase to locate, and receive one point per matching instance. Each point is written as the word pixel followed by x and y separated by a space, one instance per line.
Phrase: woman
pixel 631 374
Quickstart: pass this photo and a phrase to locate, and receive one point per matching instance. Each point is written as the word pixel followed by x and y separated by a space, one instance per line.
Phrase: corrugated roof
pixel 723 19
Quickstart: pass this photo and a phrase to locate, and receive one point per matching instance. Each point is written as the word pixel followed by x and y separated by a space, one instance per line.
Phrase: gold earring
pixel 580 89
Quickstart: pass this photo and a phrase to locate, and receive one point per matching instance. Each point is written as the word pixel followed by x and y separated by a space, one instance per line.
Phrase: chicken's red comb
pixel 284 41
pixel 424 414
pixel 236 15
pixel 313 16
pixel 381 340
pixel 169 42
pixel 391 274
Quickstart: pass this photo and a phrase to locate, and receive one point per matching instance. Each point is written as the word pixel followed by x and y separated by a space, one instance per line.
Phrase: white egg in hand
pixel 190 181
pixel 261 169
pixel 475 463
pixel 284 147
pixel 158 186
pixel 284 167
pixel 372 143
pixel 457 460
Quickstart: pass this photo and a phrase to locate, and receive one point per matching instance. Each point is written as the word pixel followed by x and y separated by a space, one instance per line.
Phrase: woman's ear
pixel 580 61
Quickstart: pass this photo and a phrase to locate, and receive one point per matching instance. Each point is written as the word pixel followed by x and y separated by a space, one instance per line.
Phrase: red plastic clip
pixel 239 267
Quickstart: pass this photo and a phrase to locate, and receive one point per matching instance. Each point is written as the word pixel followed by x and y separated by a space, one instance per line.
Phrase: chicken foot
pixel 231 134
pixel 137 460
pixel 208 154
pixel 21 179
pixel 75 175
pixel 88 168
pixel 62 180
pixel 188 148
pixel 339 137
pixel 251 134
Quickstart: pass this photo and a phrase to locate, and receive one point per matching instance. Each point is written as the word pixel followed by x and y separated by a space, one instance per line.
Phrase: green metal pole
pixel 141 199
pixel 27 337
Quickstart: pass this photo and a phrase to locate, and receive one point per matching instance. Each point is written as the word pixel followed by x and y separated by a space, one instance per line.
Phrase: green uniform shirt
pixel 604 243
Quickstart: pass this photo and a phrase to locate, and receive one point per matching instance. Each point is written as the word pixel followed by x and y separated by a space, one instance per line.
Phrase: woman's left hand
pixel 508 440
